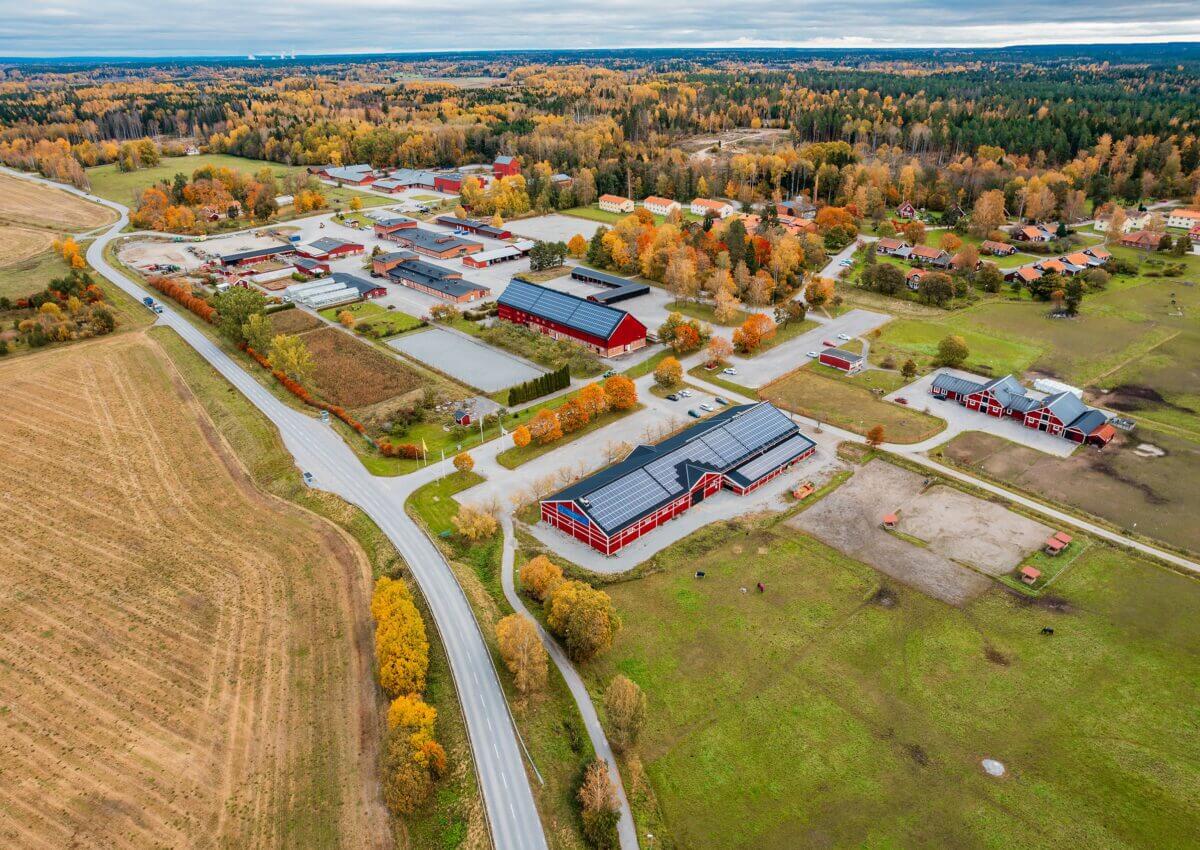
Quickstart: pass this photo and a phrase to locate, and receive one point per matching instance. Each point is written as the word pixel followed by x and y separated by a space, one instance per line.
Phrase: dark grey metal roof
pixel 472 224
pixel 419 237
pixel 1066 406
pixel 330 243
pixel 588 317
pixel 842 354
pixel 734 442
pixel 1089 421
pixel 598 277
pixel 256 253
pixel 953 384
pixel 434 277
pixel 361 284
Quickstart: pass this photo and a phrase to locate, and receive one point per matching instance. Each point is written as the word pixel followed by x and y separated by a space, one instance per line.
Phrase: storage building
pixel 605 330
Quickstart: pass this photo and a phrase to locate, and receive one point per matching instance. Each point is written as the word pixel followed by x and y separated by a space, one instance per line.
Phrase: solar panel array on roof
pixel 625 498
pixel 767 461
pixel 654 475
pixel 569 310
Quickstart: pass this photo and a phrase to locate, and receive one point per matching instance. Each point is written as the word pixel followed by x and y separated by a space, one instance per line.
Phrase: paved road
pixel 511 811
pixel 833 434
pixel 625 827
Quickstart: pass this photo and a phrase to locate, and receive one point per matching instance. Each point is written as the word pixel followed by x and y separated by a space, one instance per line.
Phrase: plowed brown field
pixel 26 202
pixel 184 662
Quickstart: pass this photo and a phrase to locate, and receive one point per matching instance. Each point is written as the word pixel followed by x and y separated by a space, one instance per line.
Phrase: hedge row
pixel 304 395
pixel 183 295
pixel 542 385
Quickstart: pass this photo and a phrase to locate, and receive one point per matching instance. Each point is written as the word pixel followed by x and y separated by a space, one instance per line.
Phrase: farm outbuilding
pixel 619 288
pixel 408 269
pixel 606 330
pixel 847 361
pixel 739 449
pixel 472 225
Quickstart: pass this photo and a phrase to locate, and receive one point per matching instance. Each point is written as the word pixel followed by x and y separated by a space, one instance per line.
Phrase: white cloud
pixel 235 27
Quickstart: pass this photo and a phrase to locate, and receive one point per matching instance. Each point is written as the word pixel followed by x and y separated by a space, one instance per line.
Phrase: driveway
pixel 465 359
pixel 778 361
pixel 960 419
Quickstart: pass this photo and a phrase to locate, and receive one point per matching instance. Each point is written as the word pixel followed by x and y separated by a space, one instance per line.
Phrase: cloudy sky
pixel 234 27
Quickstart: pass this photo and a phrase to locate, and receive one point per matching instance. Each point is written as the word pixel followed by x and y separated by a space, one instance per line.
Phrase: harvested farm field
pixel 353 374
pixel 44 206
pixel 294 321
pixel 1137 490
pixel 184 661
pixel 21 243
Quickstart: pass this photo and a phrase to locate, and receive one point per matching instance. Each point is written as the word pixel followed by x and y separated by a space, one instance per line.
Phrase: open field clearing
pixel 110 182
pixel 843 710
pixel 847 406
pixel 21 243
pixel 1143 492
pixel 352 374
pixel 25 202
pixel 293 321
pixel 160 685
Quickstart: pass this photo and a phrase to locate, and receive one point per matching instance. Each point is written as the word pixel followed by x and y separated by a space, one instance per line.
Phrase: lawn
pixel 123 186
pixel 706 313
pixel 1150 496
pixel 610 218
pixel 549 722
pixel 368 315
pixel 31 275
pixel 825 713
pixel 918 339
pixel 844 405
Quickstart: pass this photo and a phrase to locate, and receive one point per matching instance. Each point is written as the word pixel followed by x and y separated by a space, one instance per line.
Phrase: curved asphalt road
pixel 511 811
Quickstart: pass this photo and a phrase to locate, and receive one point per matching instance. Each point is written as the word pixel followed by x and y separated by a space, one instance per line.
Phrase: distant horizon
pixel 288 55
pixel 133 29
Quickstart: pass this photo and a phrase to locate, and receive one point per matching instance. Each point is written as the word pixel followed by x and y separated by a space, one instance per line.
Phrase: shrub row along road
pixel 511 811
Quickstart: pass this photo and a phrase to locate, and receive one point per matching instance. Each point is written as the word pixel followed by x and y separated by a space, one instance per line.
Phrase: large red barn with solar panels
pixel 739 449
pixel 606 330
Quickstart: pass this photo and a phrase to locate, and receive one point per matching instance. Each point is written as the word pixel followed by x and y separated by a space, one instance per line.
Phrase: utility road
pixel 511 811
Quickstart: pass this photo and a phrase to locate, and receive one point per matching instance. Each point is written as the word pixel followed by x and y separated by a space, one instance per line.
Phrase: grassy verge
pixel 456 812
pixel 549 722
pixel 844 405
pixel 881 705
pixel 515 456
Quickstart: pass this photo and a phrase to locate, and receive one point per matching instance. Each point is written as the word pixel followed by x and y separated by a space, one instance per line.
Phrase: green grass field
pixel 26 277
pixel 841 403
pixel 918 339
pixel 391 322
pixel 816 714
pixel 123 187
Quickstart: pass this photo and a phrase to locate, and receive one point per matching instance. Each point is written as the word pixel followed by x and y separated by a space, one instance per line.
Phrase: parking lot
pixel 553 227
pixel 960 419
pixel 465 359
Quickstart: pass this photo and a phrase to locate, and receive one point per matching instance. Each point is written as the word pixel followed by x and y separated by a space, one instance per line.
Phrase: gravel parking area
pixel 464 359
pixel 553 228
pixel 956 528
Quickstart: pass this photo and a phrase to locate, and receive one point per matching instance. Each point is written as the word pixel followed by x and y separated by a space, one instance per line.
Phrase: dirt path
pixel 161 685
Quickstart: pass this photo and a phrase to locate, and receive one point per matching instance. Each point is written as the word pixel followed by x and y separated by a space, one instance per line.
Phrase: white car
pixel 846 263
pixel 729 371
pixel 685 393
pixel 706 406
pixel 843 337
pixel 812 354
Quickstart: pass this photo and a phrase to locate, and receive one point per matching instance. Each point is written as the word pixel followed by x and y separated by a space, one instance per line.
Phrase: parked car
pixel 609 373
pixel 721 400
pixel 901 401
pixel 730 371
pixel 843 337
pixel 706 407
pixel 685 393
pixel 829 344
pixel 812 354
pixel 694 413
pixel 308 479
pixel 846 262
pixel 673 397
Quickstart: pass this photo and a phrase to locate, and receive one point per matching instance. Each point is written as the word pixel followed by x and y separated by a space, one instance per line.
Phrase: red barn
pixel 329 248
pixel 385 227
pixel 847 361
pixel 739 449
pixel 451 184
pixel 506 166
pixel 605 330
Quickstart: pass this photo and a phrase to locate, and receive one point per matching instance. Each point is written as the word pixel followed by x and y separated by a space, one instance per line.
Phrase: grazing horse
pixel 1046 630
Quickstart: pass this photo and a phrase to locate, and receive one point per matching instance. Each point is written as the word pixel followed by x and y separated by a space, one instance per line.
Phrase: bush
pixel 537 387
pixel 540 576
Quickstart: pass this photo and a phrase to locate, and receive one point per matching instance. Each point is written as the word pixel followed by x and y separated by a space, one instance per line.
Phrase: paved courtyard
pixel 465 359
pixel 553 227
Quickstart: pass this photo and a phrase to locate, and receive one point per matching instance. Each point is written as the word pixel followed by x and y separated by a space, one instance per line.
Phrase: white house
pixel 704 206
pixel 661 206
pixel 616 204
pixel 1184 219
pixel 1134 220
